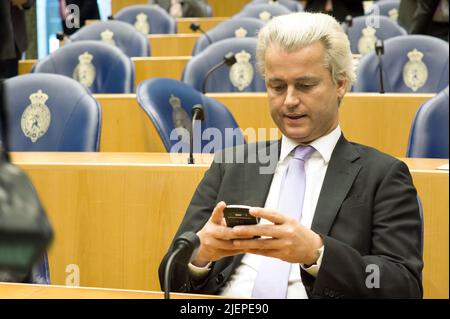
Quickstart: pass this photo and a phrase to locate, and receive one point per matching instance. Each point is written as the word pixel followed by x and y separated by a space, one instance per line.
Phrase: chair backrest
pixel 263 11
pixel 388 8
pixel 118 33
pixel 411 64
pixel 292 5
pixel 101 67
pixel 429 132
pixel 51 113
pixel 168 103
pixel 363 37
pixel 233 28
pixel 241 77
pixel 148 19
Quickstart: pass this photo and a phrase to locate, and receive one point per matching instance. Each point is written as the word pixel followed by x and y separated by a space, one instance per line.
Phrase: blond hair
pixel 298 30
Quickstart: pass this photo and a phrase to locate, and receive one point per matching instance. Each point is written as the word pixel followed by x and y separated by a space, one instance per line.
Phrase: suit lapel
pixel 341 173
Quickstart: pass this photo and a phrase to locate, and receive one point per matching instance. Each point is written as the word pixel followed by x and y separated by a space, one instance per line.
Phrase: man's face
pixel 303 99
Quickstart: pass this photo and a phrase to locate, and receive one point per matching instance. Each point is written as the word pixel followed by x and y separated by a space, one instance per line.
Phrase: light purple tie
pixel 273 275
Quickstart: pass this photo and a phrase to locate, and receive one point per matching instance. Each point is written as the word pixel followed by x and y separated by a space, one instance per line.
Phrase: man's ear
pixel 341 86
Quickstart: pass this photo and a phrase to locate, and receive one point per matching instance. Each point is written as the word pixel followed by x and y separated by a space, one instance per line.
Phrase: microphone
pixel 348 23
pixel 197 114
pixel 229 59
pixel 379 50
pixel 184 247
pixel 196 27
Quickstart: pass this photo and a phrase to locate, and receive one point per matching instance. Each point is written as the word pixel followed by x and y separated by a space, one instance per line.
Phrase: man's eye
pixel 277 88
pixel 305 87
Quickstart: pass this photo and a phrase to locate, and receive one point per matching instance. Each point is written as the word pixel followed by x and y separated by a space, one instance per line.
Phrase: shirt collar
pixel 324 145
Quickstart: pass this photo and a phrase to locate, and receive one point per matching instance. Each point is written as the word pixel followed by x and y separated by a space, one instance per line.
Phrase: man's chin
pixel 299 137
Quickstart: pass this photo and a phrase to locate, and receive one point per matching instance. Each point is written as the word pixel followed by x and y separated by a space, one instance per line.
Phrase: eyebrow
pixel 299 79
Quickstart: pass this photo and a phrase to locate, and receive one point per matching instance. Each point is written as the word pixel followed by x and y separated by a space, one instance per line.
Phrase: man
pixel 185 8
pixel 88 10
pixel 359 230
pixel 13 38
pixel 431 18
pixel 338 9
pixel 406 11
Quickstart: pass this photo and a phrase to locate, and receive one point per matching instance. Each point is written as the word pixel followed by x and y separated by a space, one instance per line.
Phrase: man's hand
pixel 19 3
pixel 215 239
pixel 289 240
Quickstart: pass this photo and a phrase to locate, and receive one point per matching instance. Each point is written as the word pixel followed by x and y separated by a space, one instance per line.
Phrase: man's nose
pixel 292 98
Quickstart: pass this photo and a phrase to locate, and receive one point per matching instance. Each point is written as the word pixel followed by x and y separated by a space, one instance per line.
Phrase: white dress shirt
pixel 241 282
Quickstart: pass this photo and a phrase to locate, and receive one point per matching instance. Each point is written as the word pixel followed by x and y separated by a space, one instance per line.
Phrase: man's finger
pixel 217 214
pixel 269 214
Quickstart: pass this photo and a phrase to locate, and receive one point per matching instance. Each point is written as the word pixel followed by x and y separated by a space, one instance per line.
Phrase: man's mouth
pixel 294 116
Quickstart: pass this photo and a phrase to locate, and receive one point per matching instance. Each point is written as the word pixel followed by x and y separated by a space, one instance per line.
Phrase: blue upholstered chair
pixel 241 77
pixel 362 37
pixel 149 19
pixel 168 103
pixel 101 67
pixel 292 5
pixel 51 113
pixel 118 33
pixel 233 28
pixel 411 64
pixel 388 8
pixel 264 12
pixel 429 132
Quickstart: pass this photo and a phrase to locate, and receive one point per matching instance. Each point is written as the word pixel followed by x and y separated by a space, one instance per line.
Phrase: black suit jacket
pixel 341 8
pixel 422 21
pixel 367 213
pixel 13 34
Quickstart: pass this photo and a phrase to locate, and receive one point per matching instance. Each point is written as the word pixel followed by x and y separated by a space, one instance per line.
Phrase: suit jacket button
pixel 219 278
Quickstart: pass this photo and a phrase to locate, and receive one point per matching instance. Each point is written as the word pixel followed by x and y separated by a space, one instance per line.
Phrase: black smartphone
pixel 239 215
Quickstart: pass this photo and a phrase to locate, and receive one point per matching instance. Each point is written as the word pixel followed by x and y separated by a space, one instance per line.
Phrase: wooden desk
pixel 380 121
pixel 183 24
pixel 145 67
pixel 114 214
pixel 221 8
pixel 172 44
pixel 26 291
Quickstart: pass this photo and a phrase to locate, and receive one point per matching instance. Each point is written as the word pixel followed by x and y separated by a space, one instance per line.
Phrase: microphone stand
pixel 379 50
pixel 229 59
pixel 197 114
pixel 348 23
pixel 184 248
pixel 196 27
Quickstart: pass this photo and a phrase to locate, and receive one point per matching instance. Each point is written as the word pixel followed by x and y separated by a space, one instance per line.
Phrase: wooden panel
pixel 221 8
pixel 125 126
pixel 117 5
pixel 114 214
pixel 434 197
pixel 25 66
pixel 183 24
pixel 27 291
pixel 166 67
pixel 227 8
pixel 172 44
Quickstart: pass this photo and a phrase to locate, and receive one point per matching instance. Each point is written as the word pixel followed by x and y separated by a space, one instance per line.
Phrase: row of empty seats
pixel 50 112
pixel 408 63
